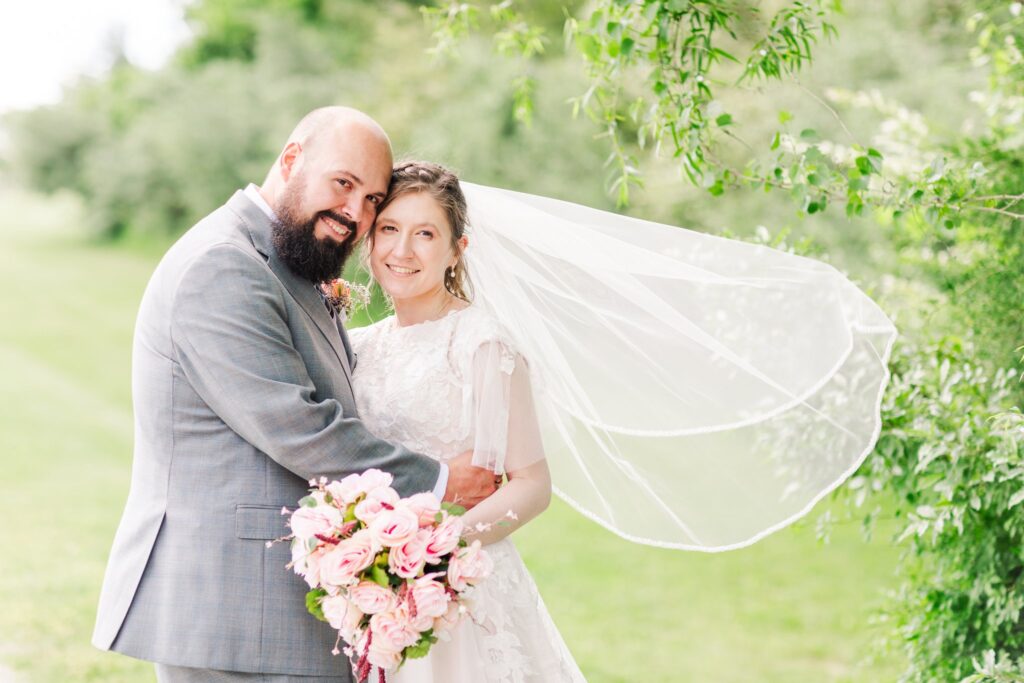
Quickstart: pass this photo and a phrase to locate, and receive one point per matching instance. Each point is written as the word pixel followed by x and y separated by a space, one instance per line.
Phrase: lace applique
pixel 411 382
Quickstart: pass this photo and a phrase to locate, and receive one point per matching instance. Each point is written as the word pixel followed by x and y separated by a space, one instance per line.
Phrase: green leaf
pixel 422 646
pixel 785 116
pixel 589 46
pixel 1015 500
pixel 776 141
pixel 379 576
pixel 453 509
pixel 809 134
pixel 724 120
pixel 308 502
pixel 626 46
pixel 313 599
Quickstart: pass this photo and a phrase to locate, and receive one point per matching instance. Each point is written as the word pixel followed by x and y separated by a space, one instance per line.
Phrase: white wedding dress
pixel 423 386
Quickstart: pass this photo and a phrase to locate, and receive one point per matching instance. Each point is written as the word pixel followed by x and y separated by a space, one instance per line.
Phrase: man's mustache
pixel 351 225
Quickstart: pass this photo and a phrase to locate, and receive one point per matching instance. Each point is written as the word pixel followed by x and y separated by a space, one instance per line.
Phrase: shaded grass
pixel 787 610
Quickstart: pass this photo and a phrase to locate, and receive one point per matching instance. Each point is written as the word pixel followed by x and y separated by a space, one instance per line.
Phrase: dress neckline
pixel 426 323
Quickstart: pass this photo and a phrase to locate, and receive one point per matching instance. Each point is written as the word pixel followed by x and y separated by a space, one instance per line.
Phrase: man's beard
pixel 316 260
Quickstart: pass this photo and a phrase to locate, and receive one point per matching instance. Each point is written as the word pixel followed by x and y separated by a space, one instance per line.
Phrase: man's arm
pixel 233 343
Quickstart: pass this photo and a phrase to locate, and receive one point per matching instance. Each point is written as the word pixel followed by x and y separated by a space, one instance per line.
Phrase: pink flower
pixel 444 538
pixel 307 564
pixel 393 631
pixel 376 501
pixel 373 479
pixel 342 563
pixel 407 560
pixel 431 601
pixel 343 616
pixel 307 522
pixel 346 491
pixel 426 507
pixel 372 598
pixel 449 620
pixel 393 527
pixel 384 658
pixel 469 566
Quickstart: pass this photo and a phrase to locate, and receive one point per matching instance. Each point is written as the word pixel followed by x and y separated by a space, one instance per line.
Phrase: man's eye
pixel 374 200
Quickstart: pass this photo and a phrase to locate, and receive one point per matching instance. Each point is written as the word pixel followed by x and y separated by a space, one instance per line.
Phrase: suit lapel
pixel 302 290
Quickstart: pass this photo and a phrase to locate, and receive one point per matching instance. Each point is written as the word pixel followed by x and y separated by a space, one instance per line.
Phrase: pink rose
pixel 381 653
pixel 393 631
pixel 393 527
pixel 469 566
pixel 306 564
pixel 449 620
pixel 384 658
pixel 307 522
pixel 444 538
pixel 426 506
pixel 342 615
pixel 431 601
pixel 407 560
pixel 373 479
pixel 347 490
pixel 342 563
pixel 376 501
pixel 372 598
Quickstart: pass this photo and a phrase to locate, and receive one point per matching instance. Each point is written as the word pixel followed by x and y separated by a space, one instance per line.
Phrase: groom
pixel 242 391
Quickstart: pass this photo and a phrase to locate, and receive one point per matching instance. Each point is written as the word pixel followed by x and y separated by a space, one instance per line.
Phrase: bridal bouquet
pixel 389 574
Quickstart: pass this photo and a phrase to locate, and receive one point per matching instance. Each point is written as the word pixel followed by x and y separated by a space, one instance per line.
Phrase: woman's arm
pixel 526 494
pixel 507 440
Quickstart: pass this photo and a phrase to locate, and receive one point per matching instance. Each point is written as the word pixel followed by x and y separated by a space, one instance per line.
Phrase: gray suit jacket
pixel 241 384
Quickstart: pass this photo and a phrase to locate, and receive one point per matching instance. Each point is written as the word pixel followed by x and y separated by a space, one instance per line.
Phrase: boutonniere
pixel 345 296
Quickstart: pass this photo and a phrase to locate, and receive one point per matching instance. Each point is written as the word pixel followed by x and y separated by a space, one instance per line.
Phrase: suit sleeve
pixel 232 340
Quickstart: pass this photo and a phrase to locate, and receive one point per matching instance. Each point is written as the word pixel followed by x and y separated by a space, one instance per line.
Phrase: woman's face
pixel 412 247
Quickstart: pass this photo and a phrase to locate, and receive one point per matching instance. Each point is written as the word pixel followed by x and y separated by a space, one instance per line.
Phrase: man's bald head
pixel 324 124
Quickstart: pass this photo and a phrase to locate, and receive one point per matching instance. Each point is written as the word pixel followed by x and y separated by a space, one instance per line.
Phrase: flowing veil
pixel 694 392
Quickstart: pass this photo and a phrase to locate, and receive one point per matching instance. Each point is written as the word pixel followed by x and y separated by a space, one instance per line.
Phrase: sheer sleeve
pixel 507 441
pixel 506 434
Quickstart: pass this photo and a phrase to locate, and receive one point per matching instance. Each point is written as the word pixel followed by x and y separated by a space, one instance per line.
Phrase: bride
pixel 442 377
pixel 682 390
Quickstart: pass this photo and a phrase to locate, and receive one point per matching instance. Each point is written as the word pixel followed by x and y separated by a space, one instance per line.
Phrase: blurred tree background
pixel 884 137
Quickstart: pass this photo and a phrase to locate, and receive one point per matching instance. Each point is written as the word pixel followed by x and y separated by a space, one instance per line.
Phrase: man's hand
pixel 468 484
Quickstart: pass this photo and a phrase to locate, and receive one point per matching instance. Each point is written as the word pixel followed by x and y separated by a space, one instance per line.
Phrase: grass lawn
pixel 787 610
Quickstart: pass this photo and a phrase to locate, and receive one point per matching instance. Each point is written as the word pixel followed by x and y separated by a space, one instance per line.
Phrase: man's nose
pixel 352 209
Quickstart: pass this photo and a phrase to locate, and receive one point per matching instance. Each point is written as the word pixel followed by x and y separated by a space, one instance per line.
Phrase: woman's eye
pixel 387 228
pixel 343 182
pixel 427 233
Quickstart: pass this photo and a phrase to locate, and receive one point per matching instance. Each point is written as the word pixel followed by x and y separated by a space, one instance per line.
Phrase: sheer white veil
pixel 694 392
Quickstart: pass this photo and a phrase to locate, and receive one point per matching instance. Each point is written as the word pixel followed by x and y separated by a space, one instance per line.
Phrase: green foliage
pixel 422 646
pixel 314 598
pixel 954 458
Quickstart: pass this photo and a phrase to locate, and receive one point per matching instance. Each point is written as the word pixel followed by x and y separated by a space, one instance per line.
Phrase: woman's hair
pixel 443 186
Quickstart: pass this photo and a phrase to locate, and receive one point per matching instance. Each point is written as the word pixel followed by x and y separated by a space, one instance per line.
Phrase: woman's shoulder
pixel 477 329
pixel 360 335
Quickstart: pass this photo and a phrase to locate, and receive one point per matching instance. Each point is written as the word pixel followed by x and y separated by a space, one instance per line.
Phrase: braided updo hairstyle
pixel 443 186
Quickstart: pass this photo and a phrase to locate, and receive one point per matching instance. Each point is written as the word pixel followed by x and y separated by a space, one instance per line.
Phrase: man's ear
pixel 289 158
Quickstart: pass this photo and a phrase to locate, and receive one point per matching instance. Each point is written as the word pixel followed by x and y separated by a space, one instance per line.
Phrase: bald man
pixel 241 384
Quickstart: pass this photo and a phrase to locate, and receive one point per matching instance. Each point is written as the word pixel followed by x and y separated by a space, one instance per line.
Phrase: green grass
pixel 788 609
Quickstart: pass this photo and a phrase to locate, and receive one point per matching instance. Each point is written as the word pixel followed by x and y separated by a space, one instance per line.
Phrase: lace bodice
pixel 414 384
pixel 444 387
